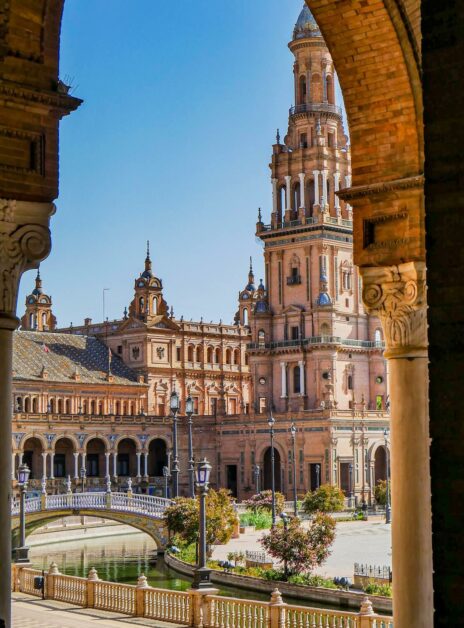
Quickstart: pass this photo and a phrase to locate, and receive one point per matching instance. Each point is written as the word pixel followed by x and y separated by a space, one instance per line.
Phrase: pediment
pixel 132 323
pixel 162 322
pixel 293 309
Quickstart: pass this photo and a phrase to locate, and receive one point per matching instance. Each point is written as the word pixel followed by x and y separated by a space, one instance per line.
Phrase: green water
pixel 123 558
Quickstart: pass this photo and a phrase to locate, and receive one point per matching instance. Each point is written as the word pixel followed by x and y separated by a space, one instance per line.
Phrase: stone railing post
pixel 200 607
pixel 92 578
pixel 366 613
pixel 49 584
pixel 397 295
pixel 142 586
pixel 277 609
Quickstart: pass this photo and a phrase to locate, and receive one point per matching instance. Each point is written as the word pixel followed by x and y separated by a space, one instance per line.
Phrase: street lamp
pixel 174 405
pixel 284 517
pixel 351 485
pixel 387 462
pixel 257 472
pixel 295 505
pixel 318 475
pixel 201 577
pixel 83 476
pixel 271 422
pixel 189 410
pixel 21 553
pixel 166 476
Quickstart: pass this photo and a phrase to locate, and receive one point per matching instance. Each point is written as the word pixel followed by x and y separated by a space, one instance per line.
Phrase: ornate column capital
pixel 397 295
pixel 24 242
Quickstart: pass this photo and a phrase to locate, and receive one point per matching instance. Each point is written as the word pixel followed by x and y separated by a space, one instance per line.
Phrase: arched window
pixel 92 407
pixel 325 329
pixel 350 382
pixel 310 196
pixel 330 90
pixel 296 197
pixel 52 405
pixel 31 321
pixel 261 338
pixel 100 408
pixel 86 407
pixel 155 305
pixel 67 406
pixel 281 199
pixel 228 356
pixel 209 355
pixel 245 316
pixel 35 404
pixel 296 380
pixel 237 356
pixel 198 354
pixel 378 335
pixel 302 90
pixel 44 319
pixel 27 405
pixel 118 408
pixel 131 409
pixel 190 353
pixel 217 355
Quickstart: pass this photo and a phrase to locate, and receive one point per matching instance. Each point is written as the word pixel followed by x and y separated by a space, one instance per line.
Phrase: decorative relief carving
pixel 397 295
pixel 21 248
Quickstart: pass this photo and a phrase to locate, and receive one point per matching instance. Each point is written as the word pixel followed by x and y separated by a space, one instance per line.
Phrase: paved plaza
pixel 32 612
pixel 355 542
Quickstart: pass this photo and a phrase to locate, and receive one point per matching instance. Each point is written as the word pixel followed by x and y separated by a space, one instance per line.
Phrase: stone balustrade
pixel 193 608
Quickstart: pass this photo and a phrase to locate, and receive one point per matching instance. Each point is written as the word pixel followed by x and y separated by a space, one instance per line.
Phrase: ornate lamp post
pixel 295 505
pixel 387 461
pixel 257 471
pixel 351 501
pixel 284 517
pixel 271 422
pixel 174 404
pixel 166 476
pixel 201 579
pixel 22 552
pixel 189 410
pixel 83 476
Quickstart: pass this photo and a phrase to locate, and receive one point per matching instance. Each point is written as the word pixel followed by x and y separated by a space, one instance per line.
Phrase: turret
pixel 38 315
pixel 148 298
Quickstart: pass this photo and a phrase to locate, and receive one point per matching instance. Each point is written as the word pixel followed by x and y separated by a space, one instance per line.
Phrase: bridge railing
pixel 193 608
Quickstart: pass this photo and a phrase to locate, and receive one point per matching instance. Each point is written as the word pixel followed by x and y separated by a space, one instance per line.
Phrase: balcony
pixel 294 280
pixel 316 108
pixel 319 340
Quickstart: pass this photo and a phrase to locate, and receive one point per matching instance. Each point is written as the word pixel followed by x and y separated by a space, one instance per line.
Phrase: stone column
pixel 324 200
pixel 302 190
pixel 76 465
pixel 317 199
pixel 324 84
pixel 336 188
pixel 115 465
pixel 274 195
pixel 397 295
pixel 52 460
pixel 145 464
pixel 20 461
pixel 44 465
pixel 283 374
pixel 138 454
pixel 308 88
pixel 302 377
pixel 24 242
pixel 107 464
pixel 288 192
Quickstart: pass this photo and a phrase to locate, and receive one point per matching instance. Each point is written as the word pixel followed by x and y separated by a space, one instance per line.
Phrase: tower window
pixel 296 380
pixel 295 333
pixel 302 90
pixel 304 140
pixel 245 316
pixel 350 382
pixel 178 355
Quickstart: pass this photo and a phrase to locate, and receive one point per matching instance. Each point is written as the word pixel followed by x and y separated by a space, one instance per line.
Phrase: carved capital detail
pixel 22 246
pixel 397 295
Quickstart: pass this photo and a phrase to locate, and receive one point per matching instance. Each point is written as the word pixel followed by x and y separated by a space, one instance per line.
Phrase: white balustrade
pixel 301 617
pixel 223 612
pixel 111 596
pixel 172 606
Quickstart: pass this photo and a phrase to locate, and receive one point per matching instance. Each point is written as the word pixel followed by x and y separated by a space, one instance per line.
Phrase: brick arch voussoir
pixel 379 74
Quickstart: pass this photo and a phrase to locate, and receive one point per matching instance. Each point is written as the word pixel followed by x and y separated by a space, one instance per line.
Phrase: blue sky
pixel 172 144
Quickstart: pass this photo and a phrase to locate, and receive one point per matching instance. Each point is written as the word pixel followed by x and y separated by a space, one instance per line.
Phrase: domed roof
pixel 324 299
pixel 306 25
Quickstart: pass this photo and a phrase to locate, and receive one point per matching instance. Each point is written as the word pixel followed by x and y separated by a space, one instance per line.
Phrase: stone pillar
pixel 283 375
pixel 302 190
pixel 138 454
pixel 115 465
pixel 44 465
pixel 288 193
pixel 397 295
pixel 24 241
pixel 76 465
pixel 145 464
pixel 324 84
pixel 302 377
pixel 324 200
pixel 274 195
pixel 317 199
pixel 52 460
pixel 107 464
pixel 336 188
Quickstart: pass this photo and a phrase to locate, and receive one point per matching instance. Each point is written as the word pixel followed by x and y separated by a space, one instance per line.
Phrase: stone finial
pixel 366 607
pixel 93 575
pixel 44 486
pixel 276 597
pixel 53 569
pixel 108 484
pixel 68 484
pixel 129 485
pixel 142 582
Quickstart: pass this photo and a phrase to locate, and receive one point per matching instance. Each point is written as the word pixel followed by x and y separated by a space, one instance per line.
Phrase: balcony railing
pixel 319 340
pixel 294 280
pixel 315 107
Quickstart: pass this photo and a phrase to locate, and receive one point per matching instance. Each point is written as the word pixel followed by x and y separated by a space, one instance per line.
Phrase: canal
pixel 122 558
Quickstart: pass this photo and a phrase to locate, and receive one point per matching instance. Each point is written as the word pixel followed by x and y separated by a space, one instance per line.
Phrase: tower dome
pixel 306 25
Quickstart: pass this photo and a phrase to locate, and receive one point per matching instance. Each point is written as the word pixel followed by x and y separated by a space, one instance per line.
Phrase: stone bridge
pixel 144 512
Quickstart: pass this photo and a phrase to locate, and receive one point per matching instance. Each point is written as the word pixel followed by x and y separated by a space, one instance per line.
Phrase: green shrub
pixel 378 589
pixel 264 500
pixel 326 498
pixel 380 492
pixel 312 581
pixel 274 574
pixel 260 518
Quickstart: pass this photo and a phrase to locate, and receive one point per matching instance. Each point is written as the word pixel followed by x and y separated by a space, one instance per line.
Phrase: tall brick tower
pixel 313 344
pixel 38 315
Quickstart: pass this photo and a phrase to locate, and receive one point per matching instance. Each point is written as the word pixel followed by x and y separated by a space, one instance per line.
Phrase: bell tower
pixel 148 298
pixel 38 315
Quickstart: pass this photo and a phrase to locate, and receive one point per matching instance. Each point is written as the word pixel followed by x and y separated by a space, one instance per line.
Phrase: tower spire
pixel 251 277
pixel 148 261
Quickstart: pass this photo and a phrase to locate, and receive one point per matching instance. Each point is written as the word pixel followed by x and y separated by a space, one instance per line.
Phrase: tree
pixel 182 518
pixel 326 498
pixel 264 500
pixel 302 550
pixel 380 492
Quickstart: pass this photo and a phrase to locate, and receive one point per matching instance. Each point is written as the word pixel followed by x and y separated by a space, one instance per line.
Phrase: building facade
pixel 303 348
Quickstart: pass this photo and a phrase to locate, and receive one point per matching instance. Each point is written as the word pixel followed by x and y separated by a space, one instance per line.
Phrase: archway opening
pixel 95 459
pixel 63 458
pixel 32 456
pixel 380 464
pixel 267 466
pixel 157 457
pixel 126 465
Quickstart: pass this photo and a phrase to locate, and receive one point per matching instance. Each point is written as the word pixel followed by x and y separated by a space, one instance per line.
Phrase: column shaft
pixel 115 464
pixel 288 192
pixel 324 200
pixel 283 374
pixel 302 189
pixel 107 464
pixel 44 465
pixel 317 199
pixel 145 464
pixel 76 465
pixel 138 454
pixel 302 377
pixel 336 188
pixel 52 461
pixel 274 195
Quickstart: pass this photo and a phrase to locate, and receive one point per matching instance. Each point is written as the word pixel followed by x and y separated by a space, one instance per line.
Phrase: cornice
pixel 375 189
pixel 51 100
